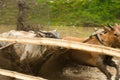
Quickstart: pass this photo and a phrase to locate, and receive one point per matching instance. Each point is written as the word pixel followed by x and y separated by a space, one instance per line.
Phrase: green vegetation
pixel 84 12
pixel 64 12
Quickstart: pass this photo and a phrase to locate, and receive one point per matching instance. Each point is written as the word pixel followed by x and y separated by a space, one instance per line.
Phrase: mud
pixel 88 73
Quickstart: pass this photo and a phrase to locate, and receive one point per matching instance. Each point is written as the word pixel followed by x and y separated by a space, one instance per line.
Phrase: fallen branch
pixel 66 44
pixel 19 75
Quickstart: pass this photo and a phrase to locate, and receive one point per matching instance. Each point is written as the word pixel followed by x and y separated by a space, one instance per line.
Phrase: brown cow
pixel 56 62
pixel 25 58
pixel 109 37
pixel 7 61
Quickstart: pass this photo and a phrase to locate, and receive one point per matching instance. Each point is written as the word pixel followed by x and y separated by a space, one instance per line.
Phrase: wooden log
pixel 66 44
pixel 19 75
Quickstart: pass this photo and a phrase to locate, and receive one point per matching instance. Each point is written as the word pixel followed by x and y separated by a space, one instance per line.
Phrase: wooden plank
pixel 66 44
pixel 19 75
pixel 6 45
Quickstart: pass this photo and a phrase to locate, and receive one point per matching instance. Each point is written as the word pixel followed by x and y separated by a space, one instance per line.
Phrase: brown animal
pixel 30 56
pixel 109 37
pixel 7 62
pixel 27 57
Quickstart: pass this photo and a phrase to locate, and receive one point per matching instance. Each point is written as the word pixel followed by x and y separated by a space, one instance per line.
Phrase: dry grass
pixel 4 28
pixel 63 30
pixel 74 31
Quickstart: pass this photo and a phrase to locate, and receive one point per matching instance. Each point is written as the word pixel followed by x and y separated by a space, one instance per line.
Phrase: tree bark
pixel 22 15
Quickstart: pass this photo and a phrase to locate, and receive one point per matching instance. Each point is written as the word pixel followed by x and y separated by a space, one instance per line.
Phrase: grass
pixel 73 31
pixel 63 30
pixel 4 28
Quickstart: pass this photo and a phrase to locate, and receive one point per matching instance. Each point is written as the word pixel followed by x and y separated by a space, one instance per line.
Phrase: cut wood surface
pixel 66 44
pixel 19 75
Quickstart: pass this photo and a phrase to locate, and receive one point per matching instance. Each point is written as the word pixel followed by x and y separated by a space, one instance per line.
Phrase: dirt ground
pixel 87 73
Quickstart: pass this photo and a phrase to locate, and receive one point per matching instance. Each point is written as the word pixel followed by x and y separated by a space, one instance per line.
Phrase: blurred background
pixel 74 17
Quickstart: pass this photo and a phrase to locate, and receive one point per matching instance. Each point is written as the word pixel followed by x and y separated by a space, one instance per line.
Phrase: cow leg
pixel 113 64
pixel 103 69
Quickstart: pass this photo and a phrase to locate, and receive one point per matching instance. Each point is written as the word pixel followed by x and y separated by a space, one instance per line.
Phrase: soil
pixel 88 73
